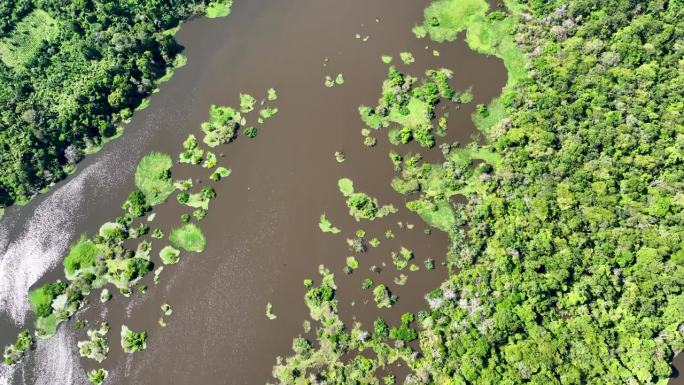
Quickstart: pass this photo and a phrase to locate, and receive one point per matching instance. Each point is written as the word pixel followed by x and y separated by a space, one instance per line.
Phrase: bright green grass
pixel 326 226
pixel 484 35
pixel 169 255
pixel 346 186
pixel 454 16
pixel 219 8
pixel 82 255
pixel 188 237
pixel 153 177
pixel 39 297
pixel 19 48
pixel 438 215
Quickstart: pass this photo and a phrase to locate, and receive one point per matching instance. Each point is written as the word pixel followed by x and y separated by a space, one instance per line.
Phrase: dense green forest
pixel 70 73
pixel 571 267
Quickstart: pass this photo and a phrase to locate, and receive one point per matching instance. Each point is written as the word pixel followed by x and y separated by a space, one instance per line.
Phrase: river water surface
pixel 262 230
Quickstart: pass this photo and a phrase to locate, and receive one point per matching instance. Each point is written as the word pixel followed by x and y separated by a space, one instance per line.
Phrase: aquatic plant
pixel 97 346
pixel 97 376
pixel 269 312
pixel 15 352
pixel 188 237
pixel 131 341
pixel 326 226
pixel 153 177
pixel 169 255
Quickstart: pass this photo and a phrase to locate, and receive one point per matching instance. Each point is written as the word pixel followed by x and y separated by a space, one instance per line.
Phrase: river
pixel 262 230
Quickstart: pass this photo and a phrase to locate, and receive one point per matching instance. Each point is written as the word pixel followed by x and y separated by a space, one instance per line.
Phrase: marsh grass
pixel 188 237
pixel 153 177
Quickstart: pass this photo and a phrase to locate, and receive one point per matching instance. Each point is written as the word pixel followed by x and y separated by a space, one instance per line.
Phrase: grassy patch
pixel 20 47
pixel 219 8
pixel 188 237
pixel 326 226
pixel 169 255
pixel 153 177
pixel 346 186
pixel 82 255
pixel 445 19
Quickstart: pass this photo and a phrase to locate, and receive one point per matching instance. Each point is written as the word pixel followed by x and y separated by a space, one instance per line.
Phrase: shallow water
pixel 262 230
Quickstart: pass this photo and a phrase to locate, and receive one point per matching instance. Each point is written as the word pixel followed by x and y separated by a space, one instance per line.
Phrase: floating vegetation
pixel 269 312
pixel 370 141
pixel 166 309
pixel 429 264
pixel 247 103
pixel 367 284
pixel 97 376
pixel 188 237
pixel 409 106
pixel 222 125
pixel 401 280
pixel 362 206
pixel 402 258
pixel 352 263
pixel 346 186
pixel 153 177
pixel 96 347
pixel 183 185
pixel 383 297
pixel 356 245
pixel 268 112
pixel 192 154
pixel 219 8
pixel 327 227
pixel 15 352
pixel 374 242
pixel 210 160
pixel 330 82
pixel 131 341
pixel 105 295
pixel 339 156
pixel 250 132
pixel 272 95
pixel 386 59
pixel 157 233
pixel 220 173
pixel 157 274
pixel 407 57
pixel 169 255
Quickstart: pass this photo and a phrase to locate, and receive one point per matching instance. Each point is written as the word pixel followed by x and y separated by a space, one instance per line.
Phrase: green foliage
pixel 82 256
pixel 222 125
pixel 188 237
pixel 382 297
pixel 41 298
pixel 136 204
pixel 153 177
pixel 97 376
pixel 219 8
pixel 15 352
pixel 69 75
pixel 247 102
pixel 346 186
pixel 326 226
pixel 169 255
pixel 250 132
pixel 131 341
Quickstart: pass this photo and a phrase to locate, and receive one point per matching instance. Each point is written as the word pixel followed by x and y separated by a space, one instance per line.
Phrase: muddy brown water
pixel 262 230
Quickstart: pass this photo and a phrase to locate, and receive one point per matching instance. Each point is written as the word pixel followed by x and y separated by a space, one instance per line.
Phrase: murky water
pixel 263 236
